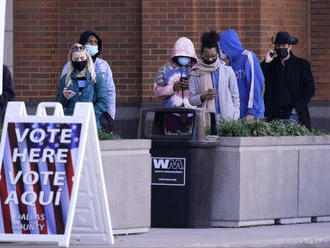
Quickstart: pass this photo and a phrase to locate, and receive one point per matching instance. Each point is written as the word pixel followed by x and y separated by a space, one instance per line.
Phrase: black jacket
pixel 7 91
pixel 286 87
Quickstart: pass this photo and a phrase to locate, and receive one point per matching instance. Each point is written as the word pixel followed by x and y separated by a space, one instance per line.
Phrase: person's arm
pixel 160 88
pixel 307 88
pixel 8 93
pixel 255 82
pixel 101 98
pixel 195 91
pixel 266 63
pixel 233 88
pixel 111 91
pixel 59 95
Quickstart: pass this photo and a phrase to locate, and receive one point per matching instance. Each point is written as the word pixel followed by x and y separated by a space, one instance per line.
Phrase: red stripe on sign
pixel 6 217
pixel 57 208
pixel 39 208
pixel 17 167
pixel 69 173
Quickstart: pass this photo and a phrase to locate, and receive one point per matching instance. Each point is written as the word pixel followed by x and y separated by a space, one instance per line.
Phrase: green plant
pixel 260 127
pixel 233 128
pixel 107 136
pixel 288 128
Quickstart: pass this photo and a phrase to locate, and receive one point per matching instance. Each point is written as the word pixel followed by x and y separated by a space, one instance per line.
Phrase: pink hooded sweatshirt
pixel 171 72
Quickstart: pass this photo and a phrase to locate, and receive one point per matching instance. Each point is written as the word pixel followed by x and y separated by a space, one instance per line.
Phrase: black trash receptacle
pixel 182 167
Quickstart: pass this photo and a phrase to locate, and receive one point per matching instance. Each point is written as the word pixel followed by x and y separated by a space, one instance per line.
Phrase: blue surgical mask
pixel 184 60
pixel 92 50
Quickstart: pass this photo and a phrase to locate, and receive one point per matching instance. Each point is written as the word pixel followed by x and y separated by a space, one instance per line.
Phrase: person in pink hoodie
pixel 171 83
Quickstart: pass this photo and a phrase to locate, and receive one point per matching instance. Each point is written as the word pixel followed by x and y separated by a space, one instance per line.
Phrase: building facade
pixel 138 36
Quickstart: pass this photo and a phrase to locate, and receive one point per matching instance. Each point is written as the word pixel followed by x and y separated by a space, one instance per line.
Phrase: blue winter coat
pixel 250 78
pixel 86 95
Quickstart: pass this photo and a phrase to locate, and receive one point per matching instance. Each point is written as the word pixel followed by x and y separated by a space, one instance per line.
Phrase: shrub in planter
pixel 260 127
pixel 107 136
pixel 270 177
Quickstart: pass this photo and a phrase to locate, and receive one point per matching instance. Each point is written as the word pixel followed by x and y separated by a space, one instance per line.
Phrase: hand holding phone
pixel 270 55
pixel 68 93
pixel 210 94
pixel 184 82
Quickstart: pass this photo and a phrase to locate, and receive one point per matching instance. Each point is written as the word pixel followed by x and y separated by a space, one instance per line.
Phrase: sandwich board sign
pixel 52 186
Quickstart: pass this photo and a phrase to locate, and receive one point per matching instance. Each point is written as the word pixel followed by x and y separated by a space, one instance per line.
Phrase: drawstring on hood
pixel 84 38
pixel 229 43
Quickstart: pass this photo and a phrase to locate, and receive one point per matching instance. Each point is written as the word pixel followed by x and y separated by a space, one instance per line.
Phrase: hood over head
pixel 229 43
pixel 84 38
pixel 184 47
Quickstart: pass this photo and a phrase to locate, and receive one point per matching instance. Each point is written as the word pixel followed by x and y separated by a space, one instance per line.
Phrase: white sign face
pixel 37 174
pixel 2 36
pixel 43 159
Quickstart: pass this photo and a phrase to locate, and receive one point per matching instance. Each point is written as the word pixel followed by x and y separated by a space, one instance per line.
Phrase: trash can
pixel 182 166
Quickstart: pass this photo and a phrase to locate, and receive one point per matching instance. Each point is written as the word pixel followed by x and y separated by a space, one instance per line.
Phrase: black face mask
pixel 208 62
pixel 282 52
pixel 79 65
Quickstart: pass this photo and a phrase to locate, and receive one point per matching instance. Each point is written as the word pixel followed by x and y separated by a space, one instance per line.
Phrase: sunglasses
pixel 78 48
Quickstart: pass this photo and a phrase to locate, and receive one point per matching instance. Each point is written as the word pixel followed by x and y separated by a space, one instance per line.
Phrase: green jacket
pixel 86 95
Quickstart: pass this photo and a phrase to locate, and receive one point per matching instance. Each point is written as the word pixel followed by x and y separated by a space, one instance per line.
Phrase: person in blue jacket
pixel 82 84
pixel 250 78
pixel 93 44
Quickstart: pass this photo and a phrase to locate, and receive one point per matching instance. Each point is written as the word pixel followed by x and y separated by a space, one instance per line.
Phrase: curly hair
pixel 210 40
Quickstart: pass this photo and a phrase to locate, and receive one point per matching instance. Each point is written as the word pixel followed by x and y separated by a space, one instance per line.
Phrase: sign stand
pixel 52 186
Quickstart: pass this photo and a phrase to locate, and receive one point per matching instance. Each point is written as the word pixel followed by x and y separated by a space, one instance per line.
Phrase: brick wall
pixel 44 30
pixel 138 36
pixel 256 22
pixel 320 47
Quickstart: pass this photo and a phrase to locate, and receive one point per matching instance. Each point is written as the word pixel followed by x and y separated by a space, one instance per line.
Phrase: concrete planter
pixel 127 166
pixel 267 180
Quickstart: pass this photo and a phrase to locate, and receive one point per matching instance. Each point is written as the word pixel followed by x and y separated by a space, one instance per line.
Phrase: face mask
pixel 92 50
pixel 184 60
pixel 79 65
pixel 209 62
pixel 282 52
pixel 223 55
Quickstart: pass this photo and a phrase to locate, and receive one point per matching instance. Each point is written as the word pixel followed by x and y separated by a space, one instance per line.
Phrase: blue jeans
pixel 294 117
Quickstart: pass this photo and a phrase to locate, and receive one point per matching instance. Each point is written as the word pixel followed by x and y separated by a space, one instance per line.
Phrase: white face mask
pixel 223 55
pixel 92 50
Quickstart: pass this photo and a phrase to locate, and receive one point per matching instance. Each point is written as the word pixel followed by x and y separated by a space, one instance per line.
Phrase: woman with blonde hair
pixel 82 84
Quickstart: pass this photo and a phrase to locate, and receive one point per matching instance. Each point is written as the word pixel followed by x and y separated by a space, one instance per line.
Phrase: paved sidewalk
pixel 277 236
pixel 288 236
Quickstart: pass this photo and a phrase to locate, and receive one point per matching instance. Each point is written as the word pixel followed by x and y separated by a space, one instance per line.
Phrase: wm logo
pixel 168 163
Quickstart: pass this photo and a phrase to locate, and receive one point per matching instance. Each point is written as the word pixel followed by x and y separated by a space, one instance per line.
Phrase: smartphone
pixel 183 79
pixel 71 92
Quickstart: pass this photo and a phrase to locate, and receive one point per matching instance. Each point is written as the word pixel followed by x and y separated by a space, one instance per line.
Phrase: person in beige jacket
pixel 212 84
